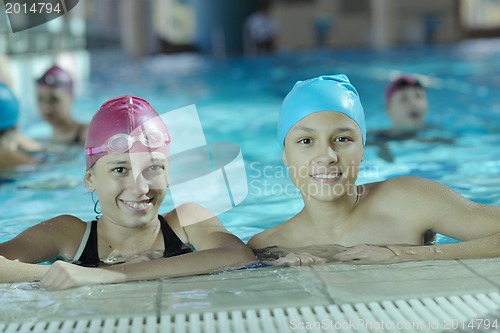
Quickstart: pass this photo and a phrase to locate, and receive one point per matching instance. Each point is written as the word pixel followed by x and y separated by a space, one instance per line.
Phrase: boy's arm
pixel 304 256
pixel 441 209
pixel 487 247
pixel 444 211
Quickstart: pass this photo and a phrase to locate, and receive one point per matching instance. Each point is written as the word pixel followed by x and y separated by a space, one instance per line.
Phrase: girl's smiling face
pixel 323 152
pixel 130 186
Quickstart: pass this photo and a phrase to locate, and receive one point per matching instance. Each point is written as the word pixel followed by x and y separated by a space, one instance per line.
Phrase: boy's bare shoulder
pixel 400 185
pixel 396 181
pixel 276 236
pixel 407 192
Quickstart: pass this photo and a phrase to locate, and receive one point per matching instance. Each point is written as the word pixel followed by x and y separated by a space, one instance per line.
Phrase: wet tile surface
pixel 255 288
pixel 252 289
pixel 28 302
pixel 401 281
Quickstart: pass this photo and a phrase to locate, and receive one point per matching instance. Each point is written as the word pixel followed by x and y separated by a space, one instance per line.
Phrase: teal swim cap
pixel 9 108
pixel 323 93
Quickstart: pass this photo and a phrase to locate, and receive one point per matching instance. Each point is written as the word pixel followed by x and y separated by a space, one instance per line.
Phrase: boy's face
pixel 407 108
pixel 323 152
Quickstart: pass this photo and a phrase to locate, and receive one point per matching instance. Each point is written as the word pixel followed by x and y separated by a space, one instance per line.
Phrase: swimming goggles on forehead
pixel 406 83
pixel 121 143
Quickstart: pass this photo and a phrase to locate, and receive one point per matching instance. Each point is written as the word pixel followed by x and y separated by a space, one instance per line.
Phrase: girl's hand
pixel 63 275
pixel 298 259
pixel 368 254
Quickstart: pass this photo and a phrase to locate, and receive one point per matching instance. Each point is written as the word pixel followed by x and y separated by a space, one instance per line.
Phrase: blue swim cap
pixel 323 93
pixel 9 108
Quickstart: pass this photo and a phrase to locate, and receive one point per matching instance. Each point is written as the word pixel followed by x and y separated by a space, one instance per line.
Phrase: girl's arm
pixel 216 250
pixel 57 237
pixel 16 271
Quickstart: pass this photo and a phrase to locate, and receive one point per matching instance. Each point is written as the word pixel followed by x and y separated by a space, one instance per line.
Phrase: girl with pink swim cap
pixel 55 103
pixel 127 153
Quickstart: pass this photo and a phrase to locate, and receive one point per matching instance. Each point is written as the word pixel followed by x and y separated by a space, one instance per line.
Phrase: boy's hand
pixel 367 254
pixel 298 259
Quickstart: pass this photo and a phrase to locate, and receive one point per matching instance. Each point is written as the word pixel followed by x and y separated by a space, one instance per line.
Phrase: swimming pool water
pixel 238 100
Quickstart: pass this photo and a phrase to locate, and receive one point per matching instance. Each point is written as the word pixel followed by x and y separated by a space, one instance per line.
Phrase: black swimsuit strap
pixel 79 131
pixel 90 254
pixel 173 245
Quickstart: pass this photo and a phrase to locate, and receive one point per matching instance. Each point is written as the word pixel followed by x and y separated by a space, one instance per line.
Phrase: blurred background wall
pixel 143 27
pixel 138 28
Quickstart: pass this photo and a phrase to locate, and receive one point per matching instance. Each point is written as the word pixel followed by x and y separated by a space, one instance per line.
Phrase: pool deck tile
pixel 401 281
pixel 26 301
pixel 258 288
pixel 483 268
pixel 247 289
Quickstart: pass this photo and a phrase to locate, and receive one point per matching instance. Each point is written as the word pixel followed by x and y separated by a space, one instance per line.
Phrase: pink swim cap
pixel 402 82
pixel 130 118
pixel 55 77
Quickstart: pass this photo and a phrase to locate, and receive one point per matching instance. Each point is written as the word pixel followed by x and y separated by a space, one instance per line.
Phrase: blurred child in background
pixel 55 101
pixel 14 148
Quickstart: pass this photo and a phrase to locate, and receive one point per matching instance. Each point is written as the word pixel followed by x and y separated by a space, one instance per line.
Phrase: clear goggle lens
pixel 121 143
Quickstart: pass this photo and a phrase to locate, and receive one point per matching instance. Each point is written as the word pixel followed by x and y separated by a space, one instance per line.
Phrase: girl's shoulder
pixel 189 214
pixel 66 219
pixel 69 230
pixel 65 224
pixel 191 221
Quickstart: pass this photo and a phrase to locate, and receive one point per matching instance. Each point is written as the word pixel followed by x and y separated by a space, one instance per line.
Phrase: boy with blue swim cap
pixel 322 131
pixel 11 155
pixel 9 108
pixel 327 92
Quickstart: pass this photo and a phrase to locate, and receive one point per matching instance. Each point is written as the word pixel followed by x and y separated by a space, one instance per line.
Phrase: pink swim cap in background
pixel 125 124
pixel 55 77
pixel 402 82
